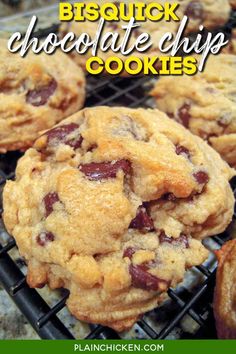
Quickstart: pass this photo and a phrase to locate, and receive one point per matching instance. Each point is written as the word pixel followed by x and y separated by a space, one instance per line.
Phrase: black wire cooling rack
pixel 186 314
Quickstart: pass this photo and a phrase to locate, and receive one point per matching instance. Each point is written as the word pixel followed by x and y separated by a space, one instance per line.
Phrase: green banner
pixel 119 346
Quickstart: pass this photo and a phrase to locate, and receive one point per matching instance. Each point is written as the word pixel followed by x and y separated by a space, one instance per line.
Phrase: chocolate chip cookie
pixel 112 204
pixel 225 292
pixel 36 92
pixel 205 103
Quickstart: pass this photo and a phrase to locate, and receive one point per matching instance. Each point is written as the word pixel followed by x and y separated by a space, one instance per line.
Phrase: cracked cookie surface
pixel 112 204
pixel 36 92
pixel 205 103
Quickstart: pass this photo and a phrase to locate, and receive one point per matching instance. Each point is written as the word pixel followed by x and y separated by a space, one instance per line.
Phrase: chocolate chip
pixel 39 97
pixel 129 127
pixel 144 280
pixel 49 200
pixel 142 221
pixel 117 4
pixel 181 150
pixel 170 115
pixel 184 115
pixel 170 197
pixel 128 252
pixel 60 135
pixel 201 177
pixel 181 240
pixel 195 10
pixel 61 132
pixel 20 262
pixel 92 148
pixel 44 238
pixel 40 285
pixel 212 135
pixel 96 171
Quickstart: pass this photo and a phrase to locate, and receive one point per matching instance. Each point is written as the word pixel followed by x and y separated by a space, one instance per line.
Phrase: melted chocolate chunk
pixel 170 197
pixel 150 203
pixel 170 115
pixel 96 171
pixel 195 10
pixel 49 200
pixel 184 114
pixel 201 177
pixel 181 240
pixel 144 280
pixel 44 238
pixel 66 103
pixel 60 135
pixel 39 97
pixel 129 252
pixel 142 221
pixel 181 150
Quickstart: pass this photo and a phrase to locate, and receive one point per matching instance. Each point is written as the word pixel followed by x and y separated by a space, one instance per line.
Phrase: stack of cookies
pixel 113 203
